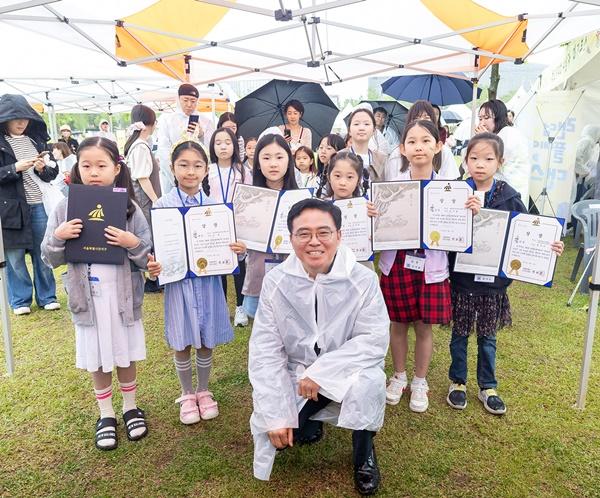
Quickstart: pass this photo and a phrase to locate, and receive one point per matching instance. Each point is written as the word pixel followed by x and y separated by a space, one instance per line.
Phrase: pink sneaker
pixel 188 410
pixel 208 405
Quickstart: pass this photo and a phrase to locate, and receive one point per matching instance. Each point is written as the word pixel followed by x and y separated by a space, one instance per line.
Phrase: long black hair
pixel 357 164
pixel 141 113
pixel 192 145
pixel 430 127
pixel 500 112
pixel 419 108
pixel 228 116
pixel 123 179
pixel 236 162
pixel 289 179
pixel 335 141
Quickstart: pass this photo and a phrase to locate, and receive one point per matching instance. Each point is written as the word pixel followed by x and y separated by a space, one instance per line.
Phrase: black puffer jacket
pixel 504 198
pixel 14 210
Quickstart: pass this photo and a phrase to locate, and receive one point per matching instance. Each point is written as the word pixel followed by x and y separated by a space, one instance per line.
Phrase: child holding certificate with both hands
pixel 106 300
pixel 415 284
pixel 479 304
pixel 196 313
pixel 274 168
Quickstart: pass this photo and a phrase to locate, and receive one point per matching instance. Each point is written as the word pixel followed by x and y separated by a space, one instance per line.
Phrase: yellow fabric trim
pixel 188 18
pixel 505 39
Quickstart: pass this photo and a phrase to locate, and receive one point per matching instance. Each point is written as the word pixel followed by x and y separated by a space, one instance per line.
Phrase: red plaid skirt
pixel 409 299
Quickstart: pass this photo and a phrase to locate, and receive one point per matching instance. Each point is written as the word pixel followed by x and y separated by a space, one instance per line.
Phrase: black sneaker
pixel 457 396
pixel 492 402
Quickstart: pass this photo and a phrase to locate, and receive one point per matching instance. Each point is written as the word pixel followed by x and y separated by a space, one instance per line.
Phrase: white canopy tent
pixel 65 49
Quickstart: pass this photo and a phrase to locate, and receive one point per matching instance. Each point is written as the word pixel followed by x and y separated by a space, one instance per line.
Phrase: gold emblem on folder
pixel 202 264
pixel 515 266
pixel 278 241
pixel 208 212
pixel 448 188
pixel 349 205
pixel 435 238
pixel 536 222
pixel 96 214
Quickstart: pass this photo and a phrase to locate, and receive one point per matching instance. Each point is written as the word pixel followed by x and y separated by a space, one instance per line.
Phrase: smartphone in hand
pixel 192 123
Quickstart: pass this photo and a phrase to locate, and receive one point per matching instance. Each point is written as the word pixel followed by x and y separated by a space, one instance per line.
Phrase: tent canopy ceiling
pixel 334 41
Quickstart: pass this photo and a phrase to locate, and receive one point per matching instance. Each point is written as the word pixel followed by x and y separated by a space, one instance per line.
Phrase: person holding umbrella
pixel 293 132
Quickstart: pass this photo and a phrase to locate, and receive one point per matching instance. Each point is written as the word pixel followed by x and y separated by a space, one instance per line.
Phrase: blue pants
pixel 20 287
pixel 486 361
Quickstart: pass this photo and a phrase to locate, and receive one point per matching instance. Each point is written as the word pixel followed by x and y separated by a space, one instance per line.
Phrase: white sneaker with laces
pixel 52 306
pixel 419 398
pixel 240 319
pixel 394 390
pixel 23 310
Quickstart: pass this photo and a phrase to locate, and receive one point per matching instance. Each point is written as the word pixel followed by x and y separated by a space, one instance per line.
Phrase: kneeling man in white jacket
pixel 318 345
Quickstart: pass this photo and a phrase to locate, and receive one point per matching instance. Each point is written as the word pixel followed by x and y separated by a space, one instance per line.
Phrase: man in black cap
pixel 172 126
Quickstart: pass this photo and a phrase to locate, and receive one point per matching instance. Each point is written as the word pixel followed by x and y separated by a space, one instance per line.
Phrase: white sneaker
pixel 23 310
pixel 394 390
pixel 52 306
pixel 419 398
pixel 240 319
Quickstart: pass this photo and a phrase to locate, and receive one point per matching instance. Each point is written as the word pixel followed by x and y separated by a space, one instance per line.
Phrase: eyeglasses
pixel 323 235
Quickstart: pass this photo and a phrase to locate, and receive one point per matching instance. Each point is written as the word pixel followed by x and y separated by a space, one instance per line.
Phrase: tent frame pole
pixel 588 342
pixel 25 5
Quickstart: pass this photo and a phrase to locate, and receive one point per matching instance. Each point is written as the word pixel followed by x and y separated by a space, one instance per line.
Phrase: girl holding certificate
pixel 274 169
pixel 224 172
pixel 415 283
pixel 106 300
pixel 196 313
pixel 479 301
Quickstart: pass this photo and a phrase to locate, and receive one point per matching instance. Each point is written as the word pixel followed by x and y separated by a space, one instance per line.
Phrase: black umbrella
pixel 396 114
pixel 263 108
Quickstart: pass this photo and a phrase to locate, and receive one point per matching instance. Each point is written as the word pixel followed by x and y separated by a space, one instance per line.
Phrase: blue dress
pixel 196 312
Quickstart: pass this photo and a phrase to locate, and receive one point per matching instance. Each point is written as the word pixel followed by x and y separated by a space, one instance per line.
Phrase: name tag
pixel 488 279
pixel 94 286
pixel 414 262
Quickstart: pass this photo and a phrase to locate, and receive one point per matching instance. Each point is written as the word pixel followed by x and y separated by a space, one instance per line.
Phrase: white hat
pixel 273 130
pixel 65 127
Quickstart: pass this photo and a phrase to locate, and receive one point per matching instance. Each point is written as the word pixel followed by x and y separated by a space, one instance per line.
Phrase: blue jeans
pixel 486 361
pixel 20 288
pixel 250 305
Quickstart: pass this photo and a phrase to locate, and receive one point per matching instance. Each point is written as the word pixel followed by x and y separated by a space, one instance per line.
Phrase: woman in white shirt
pixel 516 169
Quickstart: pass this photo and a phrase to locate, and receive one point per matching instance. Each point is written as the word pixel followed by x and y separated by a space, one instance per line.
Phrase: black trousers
pixel 238 281
pixel 362 441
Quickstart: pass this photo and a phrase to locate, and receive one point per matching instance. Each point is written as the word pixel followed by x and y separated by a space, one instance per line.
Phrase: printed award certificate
pixel 356 227
pixel 528 256
pixel 253 211
pixel 447 223
pixel 279 242
pixel 489 232
pixel 194 242
pixel 398 224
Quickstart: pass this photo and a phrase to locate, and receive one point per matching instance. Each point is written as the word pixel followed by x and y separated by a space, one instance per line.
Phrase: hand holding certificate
pixel 194 242
pixel 356 226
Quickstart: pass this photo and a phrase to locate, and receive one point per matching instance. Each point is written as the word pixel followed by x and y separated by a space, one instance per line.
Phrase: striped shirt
pixel 24 149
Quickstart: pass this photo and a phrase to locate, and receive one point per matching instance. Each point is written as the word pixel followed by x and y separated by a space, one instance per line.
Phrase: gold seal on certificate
pixel 435 238
pixel 202 264
pixel 515 266
pixel 278 241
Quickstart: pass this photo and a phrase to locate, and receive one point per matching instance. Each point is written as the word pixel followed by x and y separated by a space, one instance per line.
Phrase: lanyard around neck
pixel 225 193
pixel 200 201
pixel 369 154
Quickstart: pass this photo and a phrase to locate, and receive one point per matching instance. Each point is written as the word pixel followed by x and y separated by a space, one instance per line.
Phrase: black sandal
pixel 103 423
pixel 134 419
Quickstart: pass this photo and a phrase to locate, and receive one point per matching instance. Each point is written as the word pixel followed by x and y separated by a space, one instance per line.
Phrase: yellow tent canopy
pixel 186 18
pixel 506 39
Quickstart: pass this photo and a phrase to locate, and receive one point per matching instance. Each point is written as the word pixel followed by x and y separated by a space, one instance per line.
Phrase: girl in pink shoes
pixel 421 298
pixel 196 314
pixel 106 300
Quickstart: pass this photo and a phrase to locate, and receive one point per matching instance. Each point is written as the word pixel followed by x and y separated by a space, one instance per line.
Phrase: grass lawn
pixel 541 447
